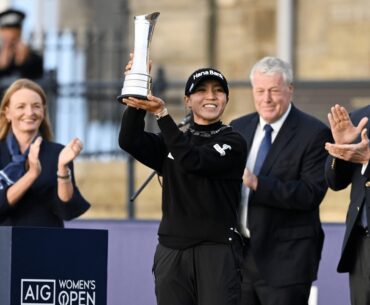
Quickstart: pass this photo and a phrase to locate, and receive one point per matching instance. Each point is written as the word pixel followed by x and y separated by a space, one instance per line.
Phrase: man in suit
pixel 348 164
pixel 279 216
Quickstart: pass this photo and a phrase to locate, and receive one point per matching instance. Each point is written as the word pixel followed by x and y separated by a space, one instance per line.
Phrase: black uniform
pixel 32 68
pixel 196 261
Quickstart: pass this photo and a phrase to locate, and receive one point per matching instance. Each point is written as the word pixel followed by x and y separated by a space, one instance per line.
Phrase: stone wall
pixel 333 39
pixel 330 37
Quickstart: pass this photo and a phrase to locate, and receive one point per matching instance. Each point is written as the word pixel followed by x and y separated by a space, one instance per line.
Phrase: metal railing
pixel 81 81
pixel 100 106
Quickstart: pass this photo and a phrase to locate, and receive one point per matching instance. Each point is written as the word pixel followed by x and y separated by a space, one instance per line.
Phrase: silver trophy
pixel 138 82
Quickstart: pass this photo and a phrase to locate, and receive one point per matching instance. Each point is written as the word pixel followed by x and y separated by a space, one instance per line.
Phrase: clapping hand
pixel 70 152
pixel 342 128
pixel 33 157
pixel 355 153
pixel 345 134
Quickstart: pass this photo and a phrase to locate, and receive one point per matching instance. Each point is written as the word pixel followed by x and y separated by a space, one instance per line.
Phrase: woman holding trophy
pixel 197 258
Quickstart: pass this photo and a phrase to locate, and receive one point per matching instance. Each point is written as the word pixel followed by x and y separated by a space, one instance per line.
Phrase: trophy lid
pixel 150 17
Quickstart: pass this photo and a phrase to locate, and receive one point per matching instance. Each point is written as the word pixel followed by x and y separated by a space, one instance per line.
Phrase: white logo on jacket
pixel 222 150
pixel 169 156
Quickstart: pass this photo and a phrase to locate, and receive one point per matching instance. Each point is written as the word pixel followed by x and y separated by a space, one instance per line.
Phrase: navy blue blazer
pixel 339 174
pixel 283 215
pixel 40 205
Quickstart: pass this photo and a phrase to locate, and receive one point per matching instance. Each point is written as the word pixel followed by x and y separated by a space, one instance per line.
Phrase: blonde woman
pixel 37 185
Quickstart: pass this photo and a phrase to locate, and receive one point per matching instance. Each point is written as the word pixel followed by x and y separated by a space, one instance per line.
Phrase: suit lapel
pixel 286 133
pixel 249 130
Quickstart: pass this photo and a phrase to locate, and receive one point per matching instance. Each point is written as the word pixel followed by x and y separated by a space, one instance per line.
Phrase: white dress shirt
pixel 251 160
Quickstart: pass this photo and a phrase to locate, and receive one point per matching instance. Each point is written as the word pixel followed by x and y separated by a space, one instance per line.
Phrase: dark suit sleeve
pixel 302 185
pixel 4 204
pixel 33 67
pixel 5 158
pixel 338 173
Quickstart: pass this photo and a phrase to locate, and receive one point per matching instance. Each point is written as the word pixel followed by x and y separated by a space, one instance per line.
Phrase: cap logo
pixel 198 76
pixel 207 73
pixel 10 19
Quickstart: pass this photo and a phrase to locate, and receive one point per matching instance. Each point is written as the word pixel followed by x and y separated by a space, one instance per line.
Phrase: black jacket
pixel 201 176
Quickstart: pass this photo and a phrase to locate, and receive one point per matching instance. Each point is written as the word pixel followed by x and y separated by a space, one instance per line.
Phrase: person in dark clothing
pixel 348 164
pixel 37 185
pixel 197 258
pixel 17 59
pixel 282 192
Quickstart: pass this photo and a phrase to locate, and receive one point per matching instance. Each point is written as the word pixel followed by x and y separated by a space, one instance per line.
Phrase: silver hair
pixel 270 65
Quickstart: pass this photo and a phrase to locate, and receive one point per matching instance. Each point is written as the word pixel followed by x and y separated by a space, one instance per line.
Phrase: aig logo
pixel 40 292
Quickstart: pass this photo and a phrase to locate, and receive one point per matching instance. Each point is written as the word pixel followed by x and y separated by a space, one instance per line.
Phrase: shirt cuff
pixel 364 166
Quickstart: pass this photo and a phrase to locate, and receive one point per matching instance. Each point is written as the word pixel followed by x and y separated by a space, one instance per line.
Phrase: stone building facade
pixel 330 37
pixel 330 42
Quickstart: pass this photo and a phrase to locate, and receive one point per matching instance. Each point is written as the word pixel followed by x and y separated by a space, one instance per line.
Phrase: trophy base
pixel 122 96
pixel 136 85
